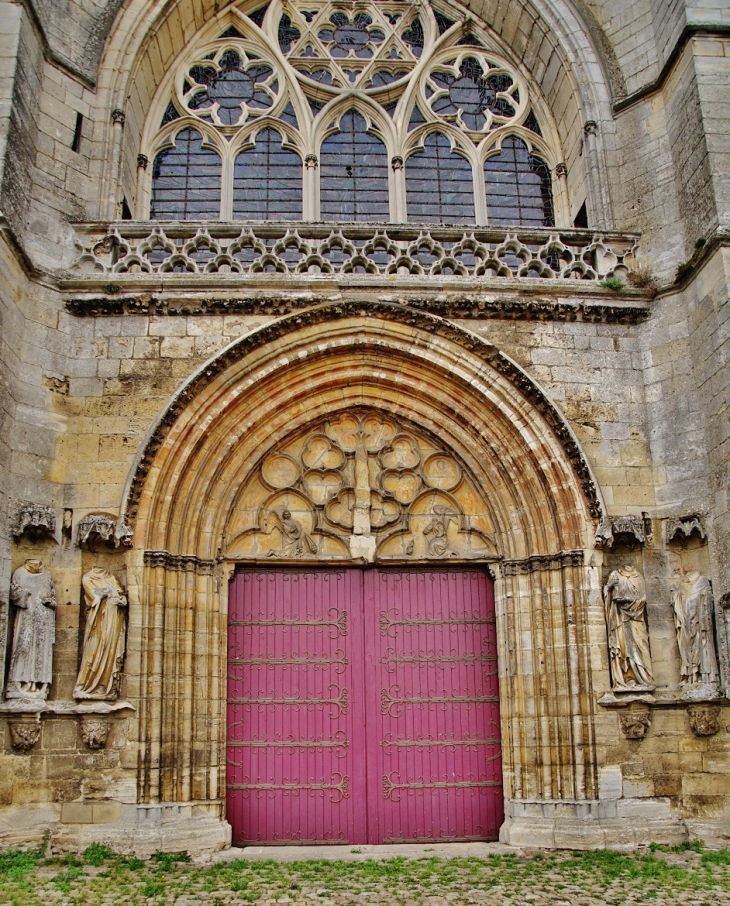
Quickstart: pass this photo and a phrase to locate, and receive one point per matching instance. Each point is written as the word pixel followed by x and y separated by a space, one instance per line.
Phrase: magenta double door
pixel 363 706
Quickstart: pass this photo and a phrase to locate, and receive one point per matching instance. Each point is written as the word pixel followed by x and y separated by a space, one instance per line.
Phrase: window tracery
pixel 294 111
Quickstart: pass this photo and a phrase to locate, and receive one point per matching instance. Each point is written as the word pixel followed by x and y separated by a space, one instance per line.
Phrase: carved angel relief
pixel 360 485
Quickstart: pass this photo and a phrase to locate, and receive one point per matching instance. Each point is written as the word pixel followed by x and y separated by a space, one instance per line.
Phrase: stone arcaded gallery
pixel 365 422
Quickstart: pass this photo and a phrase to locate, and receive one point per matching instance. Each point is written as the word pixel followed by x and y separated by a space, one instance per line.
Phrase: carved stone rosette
pixel 704 719
pixel 24 735
pixel 94 732
pixel 635 721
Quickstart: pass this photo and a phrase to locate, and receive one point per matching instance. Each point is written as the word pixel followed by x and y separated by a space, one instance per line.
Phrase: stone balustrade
pixel 349 249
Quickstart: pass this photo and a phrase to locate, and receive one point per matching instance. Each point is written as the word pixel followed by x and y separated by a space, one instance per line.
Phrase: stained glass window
pixel 439 183
pixel 186 180
pixel 354 173
pixel 519 187
pixel 267 181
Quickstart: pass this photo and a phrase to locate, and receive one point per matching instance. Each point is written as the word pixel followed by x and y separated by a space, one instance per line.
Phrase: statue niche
pixel 360 485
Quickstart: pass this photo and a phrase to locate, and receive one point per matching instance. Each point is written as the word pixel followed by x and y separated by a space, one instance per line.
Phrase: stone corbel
pixel 682 528
pixel 34 520
pixel 611 526
pixel 94 732
pixel 704 719
pixel 102 526
pixel 24 735
pixel 635 721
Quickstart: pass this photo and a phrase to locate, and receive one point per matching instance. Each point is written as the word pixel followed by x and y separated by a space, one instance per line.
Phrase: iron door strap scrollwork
pixel 433 659
pixel 338 788
pixel 445 744
pixel 390 620
pixel 339 701
pixel 338 663
pixel 392 785
pixel 339 744
pixel 392 703
pixel 337 622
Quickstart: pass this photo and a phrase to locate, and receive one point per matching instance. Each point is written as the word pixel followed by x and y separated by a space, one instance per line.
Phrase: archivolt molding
pixel 280 379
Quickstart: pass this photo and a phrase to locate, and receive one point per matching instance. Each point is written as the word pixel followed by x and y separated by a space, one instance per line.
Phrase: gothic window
pixel 267 181
pixel 186 180
pixel 439 183
pixel 354 173
pixel 519 188
pixel 296 111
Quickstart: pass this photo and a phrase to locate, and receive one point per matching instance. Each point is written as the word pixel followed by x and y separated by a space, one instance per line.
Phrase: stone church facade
pixel 364 397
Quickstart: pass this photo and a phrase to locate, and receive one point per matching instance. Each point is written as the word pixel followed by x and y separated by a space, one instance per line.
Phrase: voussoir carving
pixel 361 476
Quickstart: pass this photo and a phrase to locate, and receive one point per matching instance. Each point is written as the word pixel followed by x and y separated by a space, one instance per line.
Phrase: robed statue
pixel 628 634
pixel 31 659
pixel 692 605
pixel 102 656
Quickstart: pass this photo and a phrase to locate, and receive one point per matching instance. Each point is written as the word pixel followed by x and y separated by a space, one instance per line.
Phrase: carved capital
pixel 590 127
pixel 635 721
pixel 561 171
pixel 724 601
pixel 704 719
pixel 311 161
pixel 396 163
pixel 34 519
pixel 94 732
pixel 142 161
pixel 118 117
pixel 24 735
pixel 542 563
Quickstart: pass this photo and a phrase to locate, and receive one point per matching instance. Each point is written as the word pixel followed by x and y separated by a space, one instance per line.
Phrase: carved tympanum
pixel 693 618
pixel 102 656
pixel 24 735
pixel 360 484
pixel 34 598
pixel 628 635
pixel 94 732
pixel 704 719
pixel 635 721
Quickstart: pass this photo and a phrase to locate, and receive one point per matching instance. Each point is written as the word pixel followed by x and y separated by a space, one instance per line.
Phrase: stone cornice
pixel 463 306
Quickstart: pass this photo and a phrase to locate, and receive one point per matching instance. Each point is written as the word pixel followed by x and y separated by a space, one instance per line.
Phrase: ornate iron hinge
pixel 305 661
pixel 387 622
pixel 339 789
pixel 392 788
pixel 338 623
pixel 339 702
pixel 391 703
pixel 338 742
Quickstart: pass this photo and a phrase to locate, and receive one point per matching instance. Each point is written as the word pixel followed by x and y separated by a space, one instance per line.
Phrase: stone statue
pixel 692 604
pixel 104 637
pixel 31 660
pixel 628 635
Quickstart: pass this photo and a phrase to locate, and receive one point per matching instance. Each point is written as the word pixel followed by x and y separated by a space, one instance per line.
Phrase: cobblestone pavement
pixel 499 878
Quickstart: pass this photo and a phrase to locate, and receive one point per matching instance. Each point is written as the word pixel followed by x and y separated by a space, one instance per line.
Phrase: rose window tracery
pixel 429 97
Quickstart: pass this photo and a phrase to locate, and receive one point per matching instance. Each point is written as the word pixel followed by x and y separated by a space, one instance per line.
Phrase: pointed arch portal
pixel 341 438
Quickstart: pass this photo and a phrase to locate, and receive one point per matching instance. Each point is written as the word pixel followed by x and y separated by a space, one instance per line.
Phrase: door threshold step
pixel 362 852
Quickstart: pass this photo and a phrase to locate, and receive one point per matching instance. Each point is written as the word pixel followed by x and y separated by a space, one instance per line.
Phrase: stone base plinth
pixel 590 824
pixel 131 829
